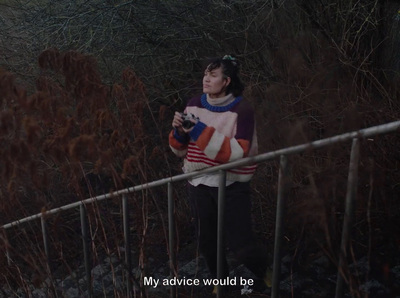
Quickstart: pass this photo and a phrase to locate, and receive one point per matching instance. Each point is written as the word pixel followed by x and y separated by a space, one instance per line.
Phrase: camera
pixel 187 123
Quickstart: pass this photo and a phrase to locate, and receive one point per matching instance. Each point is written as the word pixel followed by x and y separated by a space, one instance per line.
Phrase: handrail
pixel 282 193
pixel 367 132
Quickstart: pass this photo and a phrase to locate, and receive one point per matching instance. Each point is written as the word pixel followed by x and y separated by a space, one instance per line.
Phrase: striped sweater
pixel 223 134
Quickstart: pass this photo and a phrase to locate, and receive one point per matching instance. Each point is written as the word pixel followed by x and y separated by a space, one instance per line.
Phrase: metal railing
pixel 283 184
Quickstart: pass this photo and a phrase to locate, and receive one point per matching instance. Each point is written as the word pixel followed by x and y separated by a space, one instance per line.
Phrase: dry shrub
pixel 72 118
pixel 72 138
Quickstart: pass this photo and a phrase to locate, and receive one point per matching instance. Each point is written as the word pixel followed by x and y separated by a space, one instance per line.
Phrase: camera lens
pixel 187 124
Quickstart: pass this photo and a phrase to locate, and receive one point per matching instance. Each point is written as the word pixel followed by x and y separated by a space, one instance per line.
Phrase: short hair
pixel 230 68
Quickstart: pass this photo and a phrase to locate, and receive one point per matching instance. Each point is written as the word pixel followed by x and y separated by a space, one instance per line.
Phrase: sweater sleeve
pixel 178 144
pixel 221 148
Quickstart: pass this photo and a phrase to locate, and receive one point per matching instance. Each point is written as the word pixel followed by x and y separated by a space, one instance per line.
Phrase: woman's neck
pixel 220 101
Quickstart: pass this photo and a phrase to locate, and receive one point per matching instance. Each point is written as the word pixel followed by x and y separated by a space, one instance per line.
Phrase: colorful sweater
pixel 223 134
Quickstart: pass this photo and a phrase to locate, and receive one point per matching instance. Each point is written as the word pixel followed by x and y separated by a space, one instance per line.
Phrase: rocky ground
pixel 317 280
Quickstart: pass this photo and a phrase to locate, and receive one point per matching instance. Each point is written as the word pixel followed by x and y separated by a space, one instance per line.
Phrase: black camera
pixel 186 118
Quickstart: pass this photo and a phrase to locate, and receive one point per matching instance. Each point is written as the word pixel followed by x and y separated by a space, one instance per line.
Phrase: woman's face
pixel 215 83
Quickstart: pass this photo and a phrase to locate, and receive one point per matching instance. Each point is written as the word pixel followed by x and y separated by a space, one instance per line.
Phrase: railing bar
pixel 280 211
pixel 171 235
pixel 351 195
pixel 86 250
pixel 128 259
pixel 220 229
pixel 367 132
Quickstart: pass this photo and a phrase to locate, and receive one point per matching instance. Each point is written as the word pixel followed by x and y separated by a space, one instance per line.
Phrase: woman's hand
pixel 177 123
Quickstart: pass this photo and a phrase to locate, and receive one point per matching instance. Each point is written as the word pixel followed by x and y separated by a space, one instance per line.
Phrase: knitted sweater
pixel 223 134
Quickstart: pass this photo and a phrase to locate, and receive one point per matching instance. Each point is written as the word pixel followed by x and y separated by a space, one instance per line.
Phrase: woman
pixel 222 130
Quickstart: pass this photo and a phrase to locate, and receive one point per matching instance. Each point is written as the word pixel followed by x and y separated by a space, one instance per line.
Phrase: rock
pixel 109 279
pixel 360 268
pixel 374 289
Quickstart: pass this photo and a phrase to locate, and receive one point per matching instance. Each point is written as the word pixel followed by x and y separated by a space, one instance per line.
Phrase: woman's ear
pixel 227 81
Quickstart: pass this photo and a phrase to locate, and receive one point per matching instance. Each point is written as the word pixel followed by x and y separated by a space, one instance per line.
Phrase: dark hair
pixel 230 68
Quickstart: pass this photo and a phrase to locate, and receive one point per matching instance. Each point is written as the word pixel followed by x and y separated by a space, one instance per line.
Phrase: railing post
pixel 220 231
pixel 47 252
pixel 45 242
pixel 6 246
pixel 171 235
pixel 280 208
pixel 128 260
pixel 86 251
pixel 351 195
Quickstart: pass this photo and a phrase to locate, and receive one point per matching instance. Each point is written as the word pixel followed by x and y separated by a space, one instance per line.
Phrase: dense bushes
pixel 71 128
